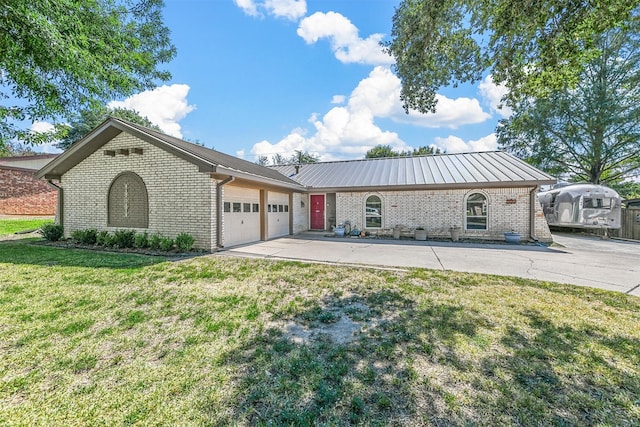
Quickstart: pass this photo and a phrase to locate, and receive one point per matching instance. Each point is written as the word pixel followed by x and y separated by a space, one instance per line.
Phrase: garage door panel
pixel 241 215
pixel 278 214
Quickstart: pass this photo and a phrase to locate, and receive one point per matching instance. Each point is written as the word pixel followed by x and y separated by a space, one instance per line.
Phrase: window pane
pixel 256 207
pixel 227 206
pixel 268 208
pixel 476 212
pixel 236 207
pixel 280 208
pixel 286 208
pixel 246 207
pixel 373 212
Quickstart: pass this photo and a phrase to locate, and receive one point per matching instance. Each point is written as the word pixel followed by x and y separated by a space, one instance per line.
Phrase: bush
pixel 103 238
pixel 154 241
pixel 142 240
pixel 52 232
pixel 85 237
pixel 124 238
pixel 184 242
pixel 166 244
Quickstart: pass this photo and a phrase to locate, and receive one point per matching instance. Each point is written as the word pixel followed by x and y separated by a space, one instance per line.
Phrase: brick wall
pixel 437 210
pixel 22 194
pixel 180 198
pixel 300 212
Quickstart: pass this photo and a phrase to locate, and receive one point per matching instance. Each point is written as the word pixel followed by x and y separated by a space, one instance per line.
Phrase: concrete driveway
pixel 578 260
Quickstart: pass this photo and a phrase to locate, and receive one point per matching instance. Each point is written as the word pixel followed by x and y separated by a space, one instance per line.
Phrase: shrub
pixel 52 232
pixel 166 243
pixel 103 238
pixel 85 237
pixel 154 241
pixel 142 240
pixel 184 242
pixel 124 238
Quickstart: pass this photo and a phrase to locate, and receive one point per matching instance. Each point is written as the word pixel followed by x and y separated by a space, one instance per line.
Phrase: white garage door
pixel 278 214
pixel 241 210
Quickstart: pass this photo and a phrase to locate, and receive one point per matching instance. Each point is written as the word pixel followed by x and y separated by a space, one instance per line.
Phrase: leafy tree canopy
pixel 86 120
pixel 590 132
pixel 62 56
pixel 382 151
pixel 532 46
pixel 297 158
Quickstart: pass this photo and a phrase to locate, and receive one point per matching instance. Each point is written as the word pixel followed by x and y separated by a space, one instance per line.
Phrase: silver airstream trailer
pixel 581 206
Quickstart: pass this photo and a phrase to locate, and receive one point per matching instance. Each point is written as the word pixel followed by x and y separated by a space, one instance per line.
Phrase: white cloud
pixel 49 148
pixel 343 35
pixel 338 99
pixel 349 131
pixel 454 144
pixel 164 106
pixel 248 7
pixel 493 94
pixel 289 9
pixel 380 92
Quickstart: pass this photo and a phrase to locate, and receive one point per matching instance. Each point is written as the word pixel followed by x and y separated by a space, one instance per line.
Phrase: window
pixel 596 203
pixel 237 207
pixel 227 206
pixel 246 207
pixel 373 212
pixel 476 212
pixel 256 207
pixel 280 208
pixel 286 208
pixel 268 208
pixel 128 203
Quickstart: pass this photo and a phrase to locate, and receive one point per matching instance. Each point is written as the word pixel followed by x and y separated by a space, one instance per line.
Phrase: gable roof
pixel 206 159
pixel 463 170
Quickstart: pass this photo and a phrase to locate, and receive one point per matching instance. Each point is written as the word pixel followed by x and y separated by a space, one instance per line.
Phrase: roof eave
pixel 468 185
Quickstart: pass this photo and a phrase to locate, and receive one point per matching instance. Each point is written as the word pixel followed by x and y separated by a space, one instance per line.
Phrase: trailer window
pixel 476 212
pixel 597 203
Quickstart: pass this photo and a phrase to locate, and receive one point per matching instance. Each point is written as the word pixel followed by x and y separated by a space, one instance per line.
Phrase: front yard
pixel 91 338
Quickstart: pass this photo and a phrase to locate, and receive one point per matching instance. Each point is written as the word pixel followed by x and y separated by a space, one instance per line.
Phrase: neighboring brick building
pixel 123 175
pixel 20 192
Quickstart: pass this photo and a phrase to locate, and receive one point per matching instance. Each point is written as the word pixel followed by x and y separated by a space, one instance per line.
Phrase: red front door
pixel 317 212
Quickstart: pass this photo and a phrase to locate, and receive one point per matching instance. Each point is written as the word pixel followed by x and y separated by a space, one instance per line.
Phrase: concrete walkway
pixel 584 261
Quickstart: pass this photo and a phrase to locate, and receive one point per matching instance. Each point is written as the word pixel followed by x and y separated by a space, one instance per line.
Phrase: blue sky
pixel 260 77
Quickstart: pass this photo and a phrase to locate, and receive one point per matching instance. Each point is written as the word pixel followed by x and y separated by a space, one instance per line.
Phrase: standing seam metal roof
pixel 494 167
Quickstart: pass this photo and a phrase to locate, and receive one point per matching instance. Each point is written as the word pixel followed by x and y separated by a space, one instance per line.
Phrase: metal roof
pixel 494 168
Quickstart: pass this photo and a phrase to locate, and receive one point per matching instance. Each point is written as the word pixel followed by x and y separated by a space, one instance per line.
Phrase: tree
pixel 301 157
pixel 382 151
pixel 62 56
pixel 592 131
pixel 262 160
pixel 86 120
pixel 16 149
pixel 533 47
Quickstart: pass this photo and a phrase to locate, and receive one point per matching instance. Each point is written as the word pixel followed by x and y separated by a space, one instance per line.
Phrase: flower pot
pixel 421 235
pixel 396 232
pixel 512 237
pixel 455 233
pixel 339 231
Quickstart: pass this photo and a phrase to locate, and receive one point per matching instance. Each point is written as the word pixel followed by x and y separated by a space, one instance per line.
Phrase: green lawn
pixel 90 338
pixel 11 226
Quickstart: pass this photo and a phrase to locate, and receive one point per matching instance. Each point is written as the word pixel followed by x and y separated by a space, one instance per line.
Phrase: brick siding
pixel 181 199
pixel 22 194
pixel 438 210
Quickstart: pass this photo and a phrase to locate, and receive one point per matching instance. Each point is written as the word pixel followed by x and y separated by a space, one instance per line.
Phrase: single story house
pixel 123 175
pixel 20 192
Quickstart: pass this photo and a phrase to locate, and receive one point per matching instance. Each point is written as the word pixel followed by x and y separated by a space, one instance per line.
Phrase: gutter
pixel 533 199
pixel 219 205
pixel 59 211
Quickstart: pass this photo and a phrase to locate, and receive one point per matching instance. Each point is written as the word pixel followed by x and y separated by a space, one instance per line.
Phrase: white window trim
pixel 364 217
pixel 466 217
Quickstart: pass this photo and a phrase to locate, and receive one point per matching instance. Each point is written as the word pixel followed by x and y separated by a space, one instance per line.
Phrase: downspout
pixel 60 210
pixel 533 199
pixel 219 212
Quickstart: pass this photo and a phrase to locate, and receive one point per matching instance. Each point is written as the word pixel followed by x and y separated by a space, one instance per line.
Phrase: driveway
pixel 578 260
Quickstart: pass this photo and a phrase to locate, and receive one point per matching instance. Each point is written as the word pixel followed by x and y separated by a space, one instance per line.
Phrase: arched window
pixel 476 212
pixel 128 202
pixel 373 212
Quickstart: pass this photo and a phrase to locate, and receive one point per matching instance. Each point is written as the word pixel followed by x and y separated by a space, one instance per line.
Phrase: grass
pixel 11 226
pixel 88 338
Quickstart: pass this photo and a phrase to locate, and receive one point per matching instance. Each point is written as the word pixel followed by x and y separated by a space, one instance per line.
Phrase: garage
pixel 278 214
pixel 241 210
